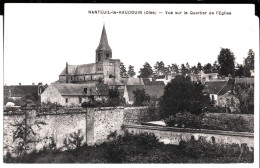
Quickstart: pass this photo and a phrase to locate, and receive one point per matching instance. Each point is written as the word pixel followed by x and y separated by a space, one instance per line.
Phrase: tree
pixel 182 95
pixel 183 70
pixel 146 71
pixel 240 71
pixel 215 67
pixel 123 70
pixel 175 68
pixel 140 97
pixel 188 67
pixel 207 68
pixel 245 94
pixel 159 67
pixel 226 60
pixel 249 63
pixel 131 71
pixel 194 70
pixel 199 67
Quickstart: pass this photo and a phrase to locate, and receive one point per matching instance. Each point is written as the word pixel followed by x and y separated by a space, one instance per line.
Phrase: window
pixel 84 77
pixel 67 100
pixel 212 97
pixel 85 90
pixel 90 77
pixel 107 55
pixel 99 57
pixel 80 100
pixel 71 78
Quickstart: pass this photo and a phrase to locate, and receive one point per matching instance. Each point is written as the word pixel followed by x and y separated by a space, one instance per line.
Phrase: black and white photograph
pixel 135 83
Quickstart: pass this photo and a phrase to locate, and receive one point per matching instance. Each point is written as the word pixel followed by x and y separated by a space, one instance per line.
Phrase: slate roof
pixel 244 80
pixel 135 81
pixel 103 44
pixel 69 89
pixel 214 87
pixel 153 82
pixel 112 81
pixel 20 90
pixel 80 69
pixel 152 90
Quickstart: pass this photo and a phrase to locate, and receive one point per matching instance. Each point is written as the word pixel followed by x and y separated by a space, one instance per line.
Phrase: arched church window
pixel 99 57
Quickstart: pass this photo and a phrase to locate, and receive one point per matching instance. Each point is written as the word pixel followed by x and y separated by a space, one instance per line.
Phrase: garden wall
pixel 94 123
pixel 170 135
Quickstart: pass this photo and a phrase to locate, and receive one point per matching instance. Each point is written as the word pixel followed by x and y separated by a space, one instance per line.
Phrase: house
pixel 244 80
pixel 207 76
pixel 151 90
pixel 150 81
pixel 21 91
pixel 217 88
pixel 68 94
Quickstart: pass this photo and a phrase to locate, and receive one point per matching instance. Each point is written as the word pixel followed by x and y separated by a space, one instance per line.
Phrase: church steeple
pixel 103 44
pixel 103 50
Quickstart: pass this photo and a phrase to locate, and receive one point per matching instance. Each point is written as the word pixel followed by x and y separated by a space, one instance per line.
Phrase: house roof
pixel 244 80
pixel 152 90
pixel 214 87
pixel 153 82
pixel 69 89
pixel 20 90
pixel 112 81
pixel 135 81
pixel 103 44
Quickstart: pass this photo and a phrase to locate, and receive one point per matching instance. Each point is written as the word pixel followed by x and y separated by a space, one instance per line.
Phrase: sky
pixel 40 38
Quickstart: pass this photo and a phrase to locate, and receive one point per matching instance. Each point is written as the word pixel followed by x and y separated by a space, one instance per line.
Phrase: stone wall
pixel 95 124
pixel 170 135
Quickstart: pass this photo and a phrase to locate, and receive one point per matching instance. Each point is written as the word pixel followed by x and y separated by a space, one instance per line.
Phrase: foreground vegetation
pixel 142 148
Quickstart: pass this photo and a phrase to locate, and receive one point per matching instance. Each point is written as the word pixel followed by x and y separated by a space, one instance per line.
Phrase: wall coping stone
pixel 190 130
pixel 137 107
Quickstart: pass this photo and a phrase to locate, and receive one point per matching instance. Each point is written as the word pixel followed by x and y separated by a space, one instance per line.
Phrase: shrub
pixel 128 145
pixel 140 97
pixel 201 148
pixel 74 140
pixel 185 119
pixel 216 109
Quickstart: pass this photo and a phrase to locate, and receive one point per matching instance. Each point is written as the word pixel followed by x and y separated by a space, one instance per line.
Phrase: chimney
pixel 33 83
pixel 67 72
pixel 20 84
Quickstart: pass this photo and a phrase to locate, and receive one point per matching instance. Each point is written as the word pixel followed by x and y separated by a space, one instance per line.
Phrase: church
pixel 104 68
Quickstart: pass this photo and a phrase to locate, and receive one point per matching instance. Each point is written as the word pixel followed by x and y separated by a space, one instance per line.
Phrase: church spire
pixel 103 44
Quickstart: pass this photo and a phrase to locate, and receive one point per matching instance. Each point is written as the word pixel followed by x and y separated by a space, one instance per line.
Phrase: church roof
pixel 103 44
pixel 80 69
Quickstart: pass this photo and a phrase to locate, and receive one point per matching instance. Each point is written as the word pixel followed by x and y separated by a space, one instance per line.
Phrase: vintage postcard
pixel 136 83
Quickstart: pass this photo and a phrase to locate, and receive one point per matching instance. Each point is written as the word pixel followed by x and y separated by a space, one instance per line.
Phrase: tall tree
pixel 146 71
pixel 159 67
pixel 239 70
pixel 226 60
pixel 249 62
pixel 194 70
pixel 182 95
pixel 199 67
pixel 122 70
pixel 175 68
pixel 188 67
pixel 215 67
pixel 207 68
pixel 131 71
pixel 183 70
